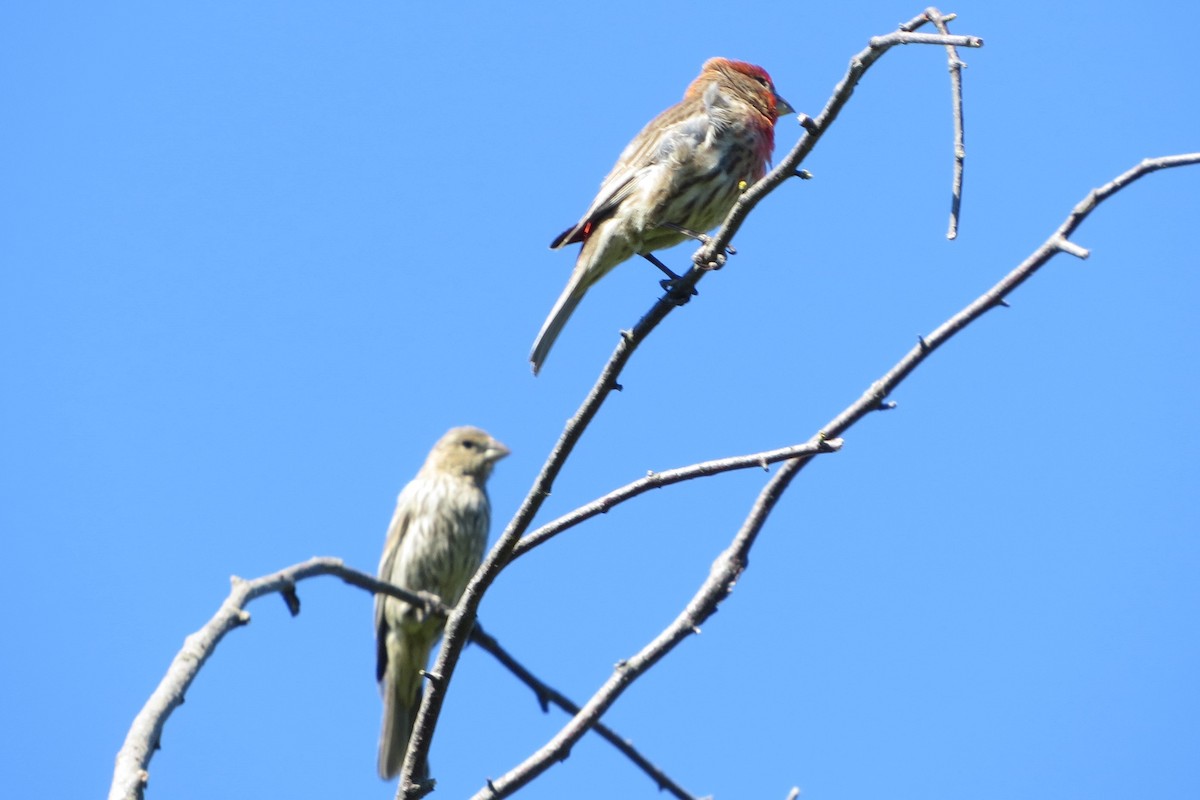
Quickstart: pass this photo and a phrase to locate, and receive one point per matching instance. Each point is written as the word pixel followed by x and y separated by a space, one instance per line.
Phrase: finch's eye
pixel 762 80
pixel 467 443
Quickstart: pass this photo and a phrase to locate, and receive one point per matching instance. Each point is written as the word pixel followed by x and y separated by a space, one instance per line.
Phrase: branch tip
pixel 415 791
pixel 291 599
pixel 1065 245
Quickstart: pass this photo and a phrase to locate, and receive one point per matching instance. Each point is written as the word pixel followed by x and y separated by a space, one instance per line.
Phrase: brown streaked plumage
pixel 434 544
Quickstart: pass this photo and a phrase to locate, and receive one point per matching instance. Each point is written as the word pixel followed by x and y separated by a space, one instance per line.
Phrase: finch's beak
pixel 495 451
pixel 783 107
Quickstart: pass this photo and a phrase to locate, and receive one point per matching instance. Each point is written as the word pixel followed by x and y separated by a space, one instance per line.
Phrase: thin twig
pixel 656 480
pixel 133 759
pixel 547 694
pixel 728 566
pixel 956 104
pixel 874 398
pixel 903 37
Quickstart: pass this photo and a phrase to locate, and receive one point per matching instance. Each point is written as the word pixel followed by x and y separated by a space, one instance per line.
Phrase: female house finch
pixel 680 175
pixel 434 544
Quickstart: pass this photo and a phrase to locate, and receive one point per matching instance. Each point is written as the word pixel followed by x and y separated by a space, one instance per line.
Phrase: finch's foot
pixel 670 284
pixel 676 293
pixel 718 260
pixel 702 238
pixel 653 259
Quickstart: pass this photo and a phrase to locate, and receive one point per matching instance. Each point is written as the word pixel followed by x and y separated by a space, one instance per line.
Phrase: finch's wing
pixel 391 550
pixel 669 137
pixel 603 207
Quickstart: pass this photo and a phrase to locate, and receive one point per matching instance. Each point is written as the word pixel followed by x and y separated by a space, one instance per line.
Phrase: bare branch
pixel 131 775
pixel 877 393
pixel 956 104
pixel 546 695
pixel 729 565
pixel 903 37
pixel 656 480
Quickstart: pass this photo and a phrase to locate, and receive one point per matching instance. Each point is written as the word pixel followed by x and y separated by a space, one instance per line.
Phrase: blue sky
pixel 259 256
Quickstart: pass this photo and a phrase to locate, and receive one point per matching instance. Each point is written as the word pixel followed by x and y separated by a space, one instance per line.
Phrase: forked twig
pixel 131 773
pixel 956 106
pixel 656 480
pixel 547 695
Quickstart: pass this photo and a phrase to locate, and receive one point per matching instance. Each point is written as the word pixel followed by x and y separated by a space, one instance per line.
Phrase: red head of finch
pixel 684 170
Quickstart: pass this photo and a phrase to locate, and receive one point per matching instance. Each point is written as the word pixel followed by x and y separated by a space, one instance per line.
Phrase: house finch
pixel 434 544
pixel 679 176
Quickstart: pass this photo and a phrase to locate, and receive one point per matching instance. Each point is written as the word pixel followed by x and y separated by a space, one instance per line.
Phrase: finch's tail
pixel 559 315
pixel 401 687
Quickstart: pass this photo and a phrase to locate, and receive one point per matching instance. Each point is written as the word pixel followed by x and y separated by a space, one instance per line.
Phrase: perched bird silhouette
pixel 677 178
pixel 434 544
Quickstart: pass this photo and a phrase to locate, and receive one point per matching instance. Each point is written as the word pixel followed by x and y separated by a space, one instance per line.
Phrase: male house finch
pixel 434 544
pixel 679 176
